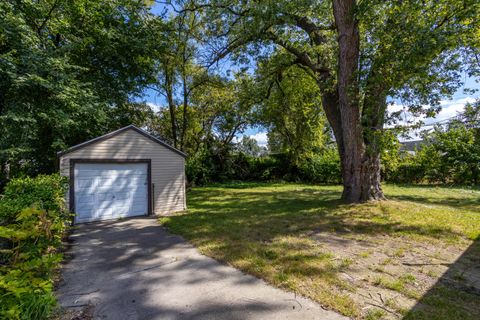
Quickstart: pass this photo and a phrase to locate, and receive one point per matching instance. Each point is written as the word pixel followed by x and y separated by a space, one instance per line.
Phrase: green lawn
pixel 414 256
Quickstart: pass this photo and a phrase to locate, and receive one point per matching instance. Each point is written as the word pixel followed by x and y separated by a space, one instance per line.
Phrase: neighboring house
pixel 411 146
pixel 124 173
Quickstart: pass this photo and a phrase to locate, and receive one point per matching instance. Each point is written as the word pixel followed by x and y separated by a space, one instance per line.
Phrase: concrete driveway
pixel 135 269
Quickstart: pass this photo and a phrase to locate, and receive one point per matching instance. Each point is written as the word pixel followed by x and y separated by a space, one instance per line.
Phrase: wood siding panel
pixel 168 167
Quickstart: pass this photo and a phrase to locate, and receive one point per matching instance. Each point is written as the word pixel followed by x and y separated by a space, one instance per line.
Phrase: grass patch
pixel 269 231
pixel 400 285
pixel 374 314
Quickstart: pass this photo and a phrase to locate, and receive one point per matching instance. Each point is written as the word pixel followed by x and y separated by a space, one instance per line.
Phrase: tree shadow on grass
pixel 467 204
pixel 265 215
pixel 456 295
pixel 445 199
pixel 259 228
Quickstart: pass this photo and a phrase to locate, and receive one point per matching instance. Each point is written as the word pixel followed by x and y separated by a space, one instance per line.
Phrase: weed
pixel 365 254
pixel 374 314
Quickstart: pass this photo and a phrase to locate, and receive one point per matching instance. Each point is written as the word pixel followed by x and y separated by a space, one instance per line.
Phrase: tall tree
pixel 178 73
pixel 360 53
pixel 290 109
pixel 219 109
pixel 64 65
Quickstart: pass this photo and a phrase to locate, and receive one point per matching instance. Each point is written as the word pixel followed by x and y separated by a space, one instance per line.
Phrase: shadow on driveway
pixel 135 269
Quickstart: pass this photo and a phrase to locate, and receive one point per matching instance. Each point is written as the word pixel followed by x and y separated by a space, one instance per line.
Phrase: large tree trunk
pixel 171 104
pixel 360 167
pixel 185 110
pixel 361 180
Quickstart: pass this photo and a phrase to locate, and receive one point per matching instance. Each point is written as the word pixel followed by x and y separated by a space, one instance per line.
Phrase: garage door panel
pixel 85 210
pixel 123 196
pixel 108 182
pixel 122 211
pixel 139 192
pixel 108 191
pixel 85 198
pixel 84 183
pixel 139 209
pixel 102 214
pixel 120 184
pixel 105 196
pixel 103 205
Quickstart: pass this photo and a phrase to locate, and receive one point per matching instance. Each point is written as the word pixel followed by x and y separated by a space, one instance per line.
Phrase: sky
pixel 449 108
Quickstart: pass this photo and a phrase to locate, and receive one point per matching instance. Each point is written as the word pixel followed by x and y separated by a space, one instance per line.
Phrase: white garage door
pixel 110 190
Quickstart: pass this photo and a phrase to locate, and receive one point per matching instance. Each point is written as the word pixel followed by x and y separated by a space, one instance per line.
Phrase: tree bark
pixel 171 104
pixel 360 165
pixel 185 110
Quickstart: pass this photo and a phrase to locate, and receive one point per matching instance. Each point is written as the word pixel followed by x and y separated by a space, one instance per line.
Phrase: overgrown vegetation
pixel 449 154
pixel 394 259
pixel 33 221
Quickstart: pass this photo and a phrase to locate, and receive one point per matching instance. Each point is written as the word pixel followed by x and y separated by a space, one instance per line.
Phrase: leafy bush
pixel 197 169
pixel 322 168
pixel 46 191
pixel 273 167
pixel 34 222
pixel 407 172
pixel 206 167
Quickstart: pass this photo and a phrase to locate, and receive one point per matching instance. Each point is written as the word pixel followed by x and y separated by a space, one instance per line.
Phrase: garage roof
pixel 114 133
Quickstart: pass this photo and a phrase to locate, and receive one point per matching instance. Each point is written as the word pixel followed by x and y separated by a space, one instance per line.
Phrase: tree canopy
pixel 318 76
pixel 64 67
pixel 361 55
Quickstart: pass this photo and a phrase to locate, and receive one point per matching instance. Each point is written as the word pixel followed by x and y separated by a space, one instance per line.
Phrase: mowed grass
pixel 304 239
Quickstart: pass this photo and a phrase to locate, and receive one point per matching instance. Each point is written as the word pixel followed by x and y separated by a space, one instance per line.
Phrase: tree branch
pixel 302 57
pixel 49 15
pixel 310 27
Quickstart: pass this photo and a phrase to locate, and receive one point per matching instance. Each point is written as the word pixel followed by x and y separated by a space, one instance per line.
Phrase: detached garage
pixel 124 173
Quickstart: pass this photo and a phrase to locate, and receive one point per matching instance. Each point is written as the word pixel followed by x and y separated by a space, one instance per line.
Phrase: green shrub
pixel 198 169
pixel 31 237
pixel 209 166
pixel 44 191
pixel 268 168
pixel 322 168
pixel 407 173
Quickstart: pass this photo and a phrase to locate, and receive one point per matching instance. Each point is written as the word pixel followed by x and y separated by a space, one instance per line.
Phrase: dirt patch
pixel 389 276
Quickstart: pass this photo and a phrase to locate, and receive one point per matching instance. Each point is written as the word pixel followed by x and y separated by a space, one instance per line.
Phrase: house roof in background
pixel 411 145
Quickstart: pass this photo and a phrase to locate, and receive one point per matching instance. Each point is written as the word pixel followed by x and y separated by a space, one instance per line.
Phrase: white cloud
pixel 449 109
pixel 395 108
pixel 462 101
pixel 154 107
pixel 261 138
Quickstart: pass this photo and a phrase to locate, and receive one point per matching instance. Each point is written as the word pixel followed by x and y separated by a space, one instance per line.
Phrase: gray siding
pixel 168 167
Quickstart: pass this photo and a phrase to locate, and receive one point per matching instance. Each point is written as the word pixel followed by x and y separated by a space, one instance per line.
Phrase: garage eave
pixel 116 132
